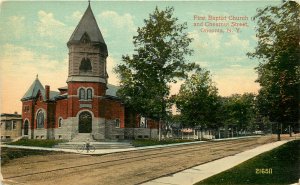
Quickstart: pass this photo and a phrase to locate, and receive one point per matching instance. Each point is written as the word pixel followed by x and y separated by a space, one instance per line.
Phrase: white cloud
pixel 15 56
pixel 236 59
pixel 77 15
pixel 12 28
pixel 235 41
pixel 118 21
pixel 198 42
pixel 17 25
pixel 19 67
pixel 117 30
pixel 206 41
pixel 74 17
pixel 48 25
pixel 215 40
pixel 111 64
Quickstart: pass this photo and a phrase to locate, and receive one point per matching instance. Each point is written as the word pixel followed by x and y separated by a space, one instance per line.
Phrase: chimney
pixel 47 92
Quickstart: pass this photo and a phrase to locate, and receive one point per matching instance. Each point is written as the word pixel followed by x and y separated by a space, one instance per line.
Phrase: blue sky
pixel 33 37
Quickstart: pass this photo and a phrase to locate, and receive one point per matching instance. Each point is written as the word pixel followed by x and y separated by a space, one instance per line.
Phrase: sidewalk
pixel 99 151
pixel 107 151
pixel 102 151
pixel 201 172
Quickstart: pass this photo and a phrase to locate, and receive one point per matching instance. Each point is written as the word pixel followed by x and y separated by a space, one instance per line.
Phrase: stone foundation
pixel 101 130
pixel 40 133
pixel 140 133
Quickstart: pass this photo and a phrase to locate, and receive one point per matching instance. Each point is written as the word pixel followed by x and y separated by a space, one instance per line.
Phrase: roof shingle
pixel 36 87
pixel 87 25
pixel 33 90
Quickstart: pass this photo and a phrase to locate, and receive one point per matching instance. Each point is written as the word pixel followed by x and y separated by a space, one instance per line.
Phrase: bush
pixel 8 154
pixel 48 143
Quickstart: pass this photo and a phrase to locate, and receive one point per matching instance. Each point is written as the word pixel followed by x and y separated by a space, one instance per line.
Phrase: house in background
pixel 11 126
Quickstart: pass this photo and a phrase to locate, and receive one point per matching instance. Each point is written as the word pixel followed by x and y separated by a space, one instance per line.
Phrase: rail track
pixel 219 149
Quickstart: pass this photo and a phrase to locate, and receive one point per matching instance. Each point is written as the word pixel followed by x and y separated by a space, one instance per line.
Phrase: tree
pixel 239 111
pixel 198 100
pixel 161 46
pixel 278 49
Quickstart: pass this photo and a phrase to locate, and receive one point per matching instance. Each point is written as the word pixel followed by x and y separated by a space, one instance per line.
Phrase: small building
pixel 11 126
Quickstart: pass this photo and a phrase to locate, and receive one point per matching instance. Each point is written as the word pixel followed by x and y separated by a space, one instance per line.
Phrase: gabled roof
pixel 63 88
pixel 36 87
pixel 11 115
pixel 53 94
pixel 33 90
pixel 112 90
pixel 87 26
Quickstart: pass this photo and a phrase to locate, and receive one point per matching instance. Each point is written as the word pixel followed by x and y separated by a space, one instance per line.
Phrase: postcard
pixel 149 92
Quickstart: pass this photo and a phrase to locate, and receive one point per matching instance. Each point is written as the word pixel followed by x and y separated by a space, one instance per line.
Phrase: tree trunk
pixel 290 130
pixel 278 132
pixel 159 129
pixel 201 137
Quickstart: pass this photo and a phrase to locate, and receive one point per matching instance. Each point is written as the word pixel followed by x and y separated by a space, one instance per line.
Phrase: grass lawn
pixel 151 142
pixel 48 143
pixel 278 166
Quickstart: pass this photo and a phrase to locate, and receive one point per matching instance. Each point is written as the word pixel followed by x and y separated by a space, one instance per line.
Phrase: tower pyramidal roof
pixel 33 90
pixel 87 25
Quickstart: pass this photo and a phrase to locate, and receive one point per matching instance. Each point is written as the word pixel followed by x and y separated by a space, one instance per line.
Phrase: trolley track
pixel 75 156
pixel 132 157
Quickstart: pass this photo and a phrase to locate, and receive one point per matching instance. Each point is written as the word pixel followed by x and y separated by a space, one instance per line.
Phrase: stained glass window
pixel 40 119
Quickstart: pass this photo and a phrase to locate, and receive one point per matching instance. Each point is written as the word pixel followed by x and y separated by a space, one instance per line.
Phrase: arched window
pixel 89 94
pixel 81 94
pixel 117 122
pixel 85 65
pixel 143 122
pixel 40 119
pixel 85 122
pixel 60 120
pixel 26 127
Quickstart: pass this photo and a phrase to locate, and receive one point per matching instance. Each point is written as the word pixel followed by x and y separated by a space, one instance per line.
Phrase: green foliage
pixel 200 105
pixel 278 48
pixel 239 110
pixel 152 142
pixel 284 161
pixel 159 59
pixel 8 154
pixel 48 143
pixel 198 100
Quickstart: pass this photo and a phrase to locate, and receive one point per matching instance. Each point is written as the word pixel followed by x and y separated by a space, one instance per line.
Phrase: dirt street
pixel 131 167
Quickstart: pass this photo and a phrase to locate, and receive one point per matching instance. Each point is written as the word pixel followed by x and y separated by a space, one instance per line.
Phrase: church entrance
pixel 85 122
pixel 26 126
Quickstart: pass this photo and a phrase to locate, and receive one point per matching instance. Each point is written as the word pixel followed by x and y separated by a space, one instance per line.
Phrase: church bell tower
pixel 87 52
pixel 87 77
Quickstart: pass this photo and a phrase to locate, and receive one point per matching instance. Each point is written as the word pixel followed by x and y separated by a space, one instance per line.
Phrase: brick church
pixel 88 104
